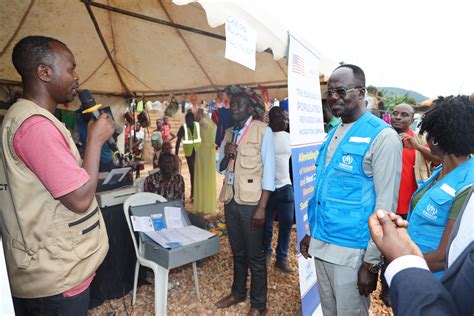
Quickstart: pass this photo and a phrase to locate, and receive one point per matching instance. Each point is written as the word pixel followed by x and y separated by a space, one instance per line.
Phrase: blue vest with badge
pixel 344 195
pixel 430 216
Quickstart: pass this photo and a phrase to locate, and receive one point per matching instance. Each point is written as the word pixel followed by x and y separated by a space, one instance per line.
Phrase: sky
pixel 425 46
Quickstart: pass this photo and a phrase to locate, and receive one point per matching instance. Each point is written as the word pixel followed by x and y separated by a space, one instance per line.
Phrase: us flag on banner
pixel 298 64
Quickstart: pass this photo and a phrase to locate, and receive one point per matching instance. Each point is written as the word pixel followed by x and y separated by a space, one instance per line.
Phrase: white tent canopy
pixel 147 57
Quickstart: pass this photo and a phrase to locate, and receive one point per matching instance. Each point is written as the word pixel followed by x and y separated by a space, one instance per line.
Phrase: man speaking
pixel 53 232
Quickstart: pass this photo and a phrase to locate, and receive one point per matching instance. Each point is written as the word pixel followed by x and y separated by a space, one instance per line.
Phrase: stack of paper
pixel 172 237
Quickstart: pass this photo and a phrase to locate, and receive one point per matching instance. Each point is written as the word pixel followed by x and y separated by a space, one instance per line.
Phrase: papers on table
pixel 142 223
pixel 158 221
pixel 168 230
pixel 173 217
pixel 175 237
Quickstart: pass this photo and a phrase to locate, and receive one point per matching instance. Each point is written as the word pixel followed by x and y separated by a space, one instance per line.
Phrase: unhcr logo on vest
pixel 430 212
pixel 346 162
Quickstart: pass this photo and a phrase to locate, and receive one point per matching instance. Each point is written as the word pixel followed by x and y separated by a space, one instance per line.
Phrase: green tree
pixel 372 90
pixel 393 100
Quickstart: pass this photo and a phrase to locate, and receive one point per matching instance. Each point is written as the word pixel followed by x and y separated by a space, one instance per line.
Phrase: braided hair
pixel 450 123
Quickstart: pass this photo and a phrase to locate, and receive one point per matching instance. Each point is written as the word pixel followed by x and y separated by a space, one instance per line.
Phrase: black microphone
pixel 89 106
pixel 235 136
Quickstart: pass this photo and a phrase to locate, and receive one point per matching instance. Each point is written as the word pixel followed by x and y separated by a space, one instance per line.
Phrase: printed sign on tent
pixel 306 136
pixel 241 42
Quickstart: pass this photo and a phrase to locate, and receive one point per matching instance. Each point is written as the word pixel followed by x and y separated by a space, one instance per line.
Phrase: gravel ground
pixel 215 279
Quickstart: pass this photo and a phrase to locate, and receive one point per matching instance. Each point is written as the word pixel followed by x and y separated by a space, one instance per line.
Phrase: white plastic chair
pixel 140 185
pixel 160 273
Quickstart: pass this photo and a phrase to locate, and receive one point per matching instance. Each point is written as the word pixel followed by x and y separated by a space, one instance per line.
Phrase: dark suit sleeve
pixel 416 291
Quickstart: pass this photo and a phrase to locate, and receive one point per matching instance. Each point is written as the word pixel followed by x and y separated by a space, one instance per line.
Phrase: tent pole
pixel 104 44
pixel 152 19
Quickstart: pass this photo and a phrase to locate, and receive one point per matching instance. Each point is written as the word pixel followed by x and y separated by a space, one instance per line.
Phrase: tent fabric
pixel 151 58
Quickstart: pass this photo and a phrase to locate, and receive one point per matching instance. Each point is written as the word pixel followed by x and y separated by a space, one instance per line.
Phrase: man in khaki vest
pixel 247 156
pixel 52 228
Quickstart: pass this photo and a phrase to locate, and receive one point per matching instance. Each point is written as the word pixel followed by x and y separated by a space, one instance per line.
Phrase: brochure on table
pixel 169 229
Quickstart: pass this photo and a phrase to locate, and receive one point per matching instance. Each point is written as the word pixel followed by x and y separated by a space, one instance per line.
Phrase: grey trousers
pixel 338 290
pixel 246 244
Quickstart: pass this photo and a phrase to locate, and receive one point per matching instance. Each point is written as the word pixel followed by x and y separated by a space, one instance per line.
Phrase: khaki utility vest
pixel 48 248
pixel 191 143
pixel 248 168
pixel 422 166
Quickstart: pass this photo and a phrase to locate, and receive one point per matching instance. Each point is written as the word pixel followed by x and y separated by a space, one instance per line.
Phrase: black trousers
pixel 245 243
pixel 56 305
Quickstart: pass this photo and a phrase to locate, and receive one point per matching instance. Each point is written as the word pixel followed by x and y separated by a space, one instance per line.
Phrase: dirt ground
pixel 215 280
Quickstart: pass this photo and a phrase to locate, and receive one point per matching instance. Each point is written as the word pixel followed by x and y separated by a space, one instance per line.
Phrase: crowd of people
pixel 380 189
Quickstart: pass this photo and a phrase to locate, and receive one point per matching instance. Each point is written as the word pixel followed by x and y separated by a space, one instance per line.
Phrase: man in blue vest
pixel 357 170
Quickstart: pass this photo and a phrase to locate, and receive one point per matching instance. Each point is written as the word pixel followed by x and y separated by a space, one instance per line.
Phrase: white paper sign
pixel 307 274
pixel 241 42
pixel 304 96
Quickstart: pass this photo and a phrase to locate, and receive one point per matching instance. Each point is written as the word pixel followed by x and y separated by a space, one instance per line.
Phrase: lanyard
pixel 244 133
pixel 231 164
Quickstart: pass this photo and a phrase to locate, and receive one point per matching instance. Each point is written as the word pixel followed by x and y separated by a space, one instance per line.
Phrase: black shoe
pixel 385 297
pixel 284 266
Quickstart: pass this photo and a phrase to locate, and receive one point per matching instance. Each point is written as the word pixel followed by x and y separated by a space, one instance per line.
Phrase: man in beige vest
pixel 247 156
pixel 53 231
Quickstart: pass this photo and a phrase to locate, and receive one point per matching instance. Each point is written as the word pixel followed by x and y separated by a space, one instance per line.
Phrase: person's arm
pixel 226 152
pixel 437 259
pixel 178 141
pixel 268 177
pixel 386 170
pixel 38 141
pixel 148 184
pixel 426 152
pixel 413 288
pixel 181 187
pixel 173 136
pixel 386 162
pixel 98 133
pixel 230 152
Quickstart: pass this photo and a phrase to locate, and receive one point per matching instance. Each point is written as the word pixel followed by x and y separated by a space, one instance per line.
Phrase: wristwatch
pixel 373 268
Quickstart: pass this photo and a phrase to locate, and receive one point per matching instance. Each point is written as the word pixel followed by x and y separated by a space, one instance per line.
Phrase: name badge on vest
pixel 230 178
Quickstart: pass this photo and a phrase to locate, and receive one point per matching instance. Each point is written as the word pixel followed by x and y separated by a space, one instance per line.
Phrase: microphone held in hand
pixel 90 107
pixel 235 137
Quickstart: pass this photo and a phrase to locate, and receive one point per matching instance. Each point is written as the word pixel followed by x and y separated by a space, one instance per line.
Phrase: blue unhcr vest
pixel 430 216
pixel 344 195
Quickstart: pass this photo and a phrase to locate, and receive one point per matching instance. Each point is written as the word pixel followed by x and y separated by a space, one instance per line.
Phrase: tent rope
pixel 10 40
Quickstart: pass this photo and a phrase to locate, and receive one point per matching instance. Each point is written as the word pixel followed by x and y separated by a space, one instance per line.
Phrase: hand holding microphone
pixel 230 149
pixel 103 127
pixel 101 130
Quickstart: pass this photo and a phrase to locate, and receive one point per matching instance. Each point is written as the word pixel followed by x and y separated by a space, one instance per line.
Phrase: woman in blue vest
pixel 436 204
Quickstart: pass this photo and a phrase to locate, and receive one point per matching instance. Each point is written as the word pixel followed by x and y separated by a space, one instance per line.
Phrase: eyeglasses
pixel 341 92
